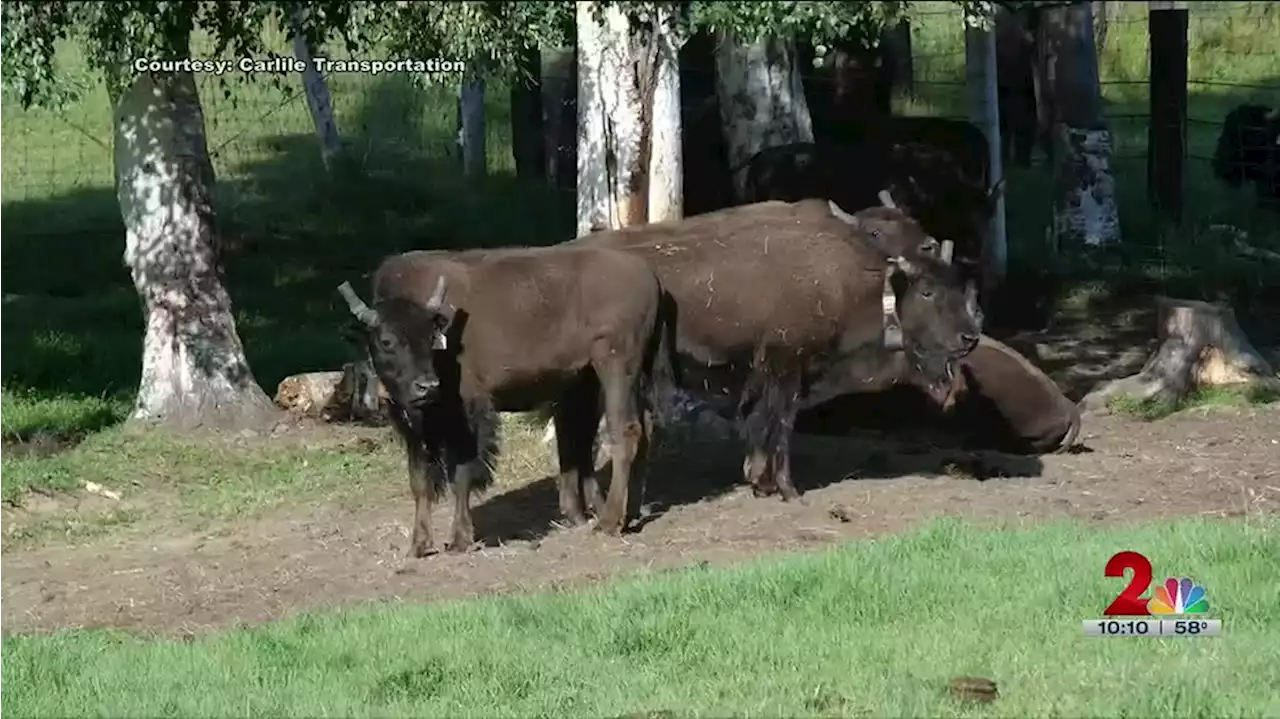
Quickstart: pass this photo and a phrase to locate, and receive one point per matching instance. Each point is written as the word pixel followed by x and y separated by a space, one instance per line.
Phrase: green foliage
pixel 116 32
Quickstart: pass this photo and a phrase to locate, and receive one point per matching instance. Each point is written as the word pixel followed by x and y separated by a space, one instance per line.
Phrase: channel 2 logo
pixel 1175 596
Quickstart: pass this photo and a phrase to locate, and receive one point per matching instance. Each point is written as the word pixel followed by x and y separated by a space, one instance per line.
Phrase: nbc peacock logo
pixel 1178 596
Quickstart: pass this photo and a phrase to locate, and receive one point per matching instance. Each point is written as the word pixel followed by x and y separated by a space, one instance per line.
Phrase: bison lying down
pixel 457 337
pixel 1002 402
pixel 778 305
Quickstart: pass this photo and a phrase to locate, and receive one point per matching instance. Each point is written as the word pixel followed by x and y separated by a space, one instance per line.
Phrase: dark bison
pixel 1249 149
pixel 457 337
pixel 925 181
pixel 1001 402
pixel 780 304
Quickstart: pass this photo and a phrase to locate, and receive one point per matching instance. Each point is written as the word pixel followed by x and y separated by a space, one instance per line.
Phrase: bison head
pixel 402 336
pixel 1248 141
pixel 932 316
pixel 892 231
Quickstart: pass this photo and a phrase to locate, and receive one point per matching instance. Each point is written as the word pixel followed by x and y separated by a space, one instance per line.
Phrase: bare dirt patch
pixel 1221 461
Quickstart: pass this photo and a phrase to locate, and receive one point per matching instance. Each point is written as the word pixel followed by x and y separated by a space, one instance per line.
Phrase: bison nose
pixel 423 387
pixel 970 340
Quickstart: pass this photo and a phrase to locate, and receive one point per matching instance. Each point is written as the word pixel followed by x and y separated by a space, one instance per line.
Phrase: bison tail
pixel 662 369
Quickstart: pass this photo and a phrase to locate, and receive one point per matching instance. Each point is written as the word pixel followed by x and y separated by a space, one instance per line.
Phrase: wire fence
pixel 1231 60
pixel 58 178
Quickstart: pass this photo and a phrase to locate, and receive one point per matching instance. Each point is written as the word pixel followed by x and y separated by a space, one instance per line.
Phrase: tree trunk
pixel 666 163
pixel 528 143
pixel 471 136
pixel 1084 198
pixel 317 91
pixel 984 111
pixel 762 102
pixel 611 172
pixel 1201 345
pixel 194 371
pixel 560 103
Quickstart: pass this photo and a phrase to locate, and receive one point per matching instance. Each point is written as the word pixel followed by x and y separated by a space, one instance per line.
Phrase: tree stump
pixel 350 394
pixel 1201 345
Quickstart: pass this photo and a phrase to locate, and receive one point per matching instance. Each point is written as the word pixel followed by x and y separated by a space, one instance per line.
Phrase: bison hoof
pixel 791 495
pixel 418 550
pixel 763 491
pixel 609 526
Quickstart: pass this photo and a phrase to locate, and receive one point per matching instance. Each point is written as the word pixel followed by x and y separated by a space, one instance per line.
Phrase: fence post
pixel 1167 130
pixel 984 111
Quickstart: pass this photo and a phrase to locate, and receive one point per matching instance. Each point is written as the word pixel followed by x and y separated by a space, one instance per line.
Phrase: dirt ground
pixel 1219 461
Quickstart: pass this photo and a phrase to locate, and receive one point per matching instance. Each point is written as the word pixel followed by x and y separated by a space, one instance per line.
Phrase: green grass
pixel 1154 408
pixel 875 628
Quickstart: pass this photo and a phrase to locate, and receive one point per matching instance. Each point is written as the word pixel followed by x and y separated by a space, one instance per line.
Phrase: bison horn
pixel 841 214
pixel 948 249
pixel 887 200
pixel 362 312
pixel 437 297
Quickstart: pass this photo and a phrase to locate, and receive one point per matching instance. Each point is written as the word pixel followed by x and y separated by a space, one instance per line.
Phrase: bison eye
pixel 926 294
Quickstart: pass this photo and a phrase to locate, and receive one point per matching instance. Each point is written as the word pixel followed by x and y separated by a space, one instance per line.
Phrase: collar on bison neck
pixel 889 306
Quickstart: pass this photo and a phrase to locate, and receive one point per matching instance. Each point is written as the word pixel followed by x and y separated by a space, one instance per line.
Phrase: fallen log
pixel 350 394
pixel 1201 345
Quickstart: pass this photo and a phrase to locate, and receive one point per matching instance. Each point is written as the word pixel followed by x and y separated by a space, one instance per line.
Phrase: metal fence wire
pixel 260 133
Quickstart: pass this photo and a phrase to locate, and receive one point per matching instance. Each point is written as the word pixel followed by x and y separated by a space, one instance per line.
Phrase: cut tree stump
pixel 1201 345
pixel 350 394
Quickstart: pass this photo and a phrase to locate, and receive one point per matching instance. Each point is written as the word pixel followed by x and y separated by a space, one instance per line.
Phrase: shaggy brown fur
pixel 460 336
pixel 779 304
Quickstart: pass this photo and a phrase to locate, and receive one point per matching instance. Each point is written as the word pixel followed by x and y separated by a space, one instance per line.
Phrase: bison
pixel 1249 149
pixel 927 183
pixel 779 304
pixel 457 337
pixel 1001 402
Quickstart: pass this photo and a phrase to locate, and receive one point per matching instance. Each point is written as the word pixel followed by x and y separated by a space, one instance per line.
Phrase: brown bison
pixel 457 337
pixel 779 304
pixel 1002 402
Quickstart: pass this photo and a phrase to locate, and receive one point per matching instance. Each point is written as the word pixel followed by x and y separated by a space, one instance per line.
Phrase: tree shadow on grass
pixel 291 233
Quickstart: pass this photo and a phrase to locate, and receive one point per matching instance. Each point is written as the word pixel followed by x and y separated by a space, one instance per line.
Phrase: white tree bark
pixel 762 101
pixel 666 162
pixel 194 371
pixel 317 92
pixel 471 135
pixel 984 111
pixel 611 173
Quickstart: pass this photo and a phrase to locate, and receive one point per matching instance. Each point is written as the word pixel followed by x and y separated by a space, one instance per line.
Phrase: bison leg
pixel 577 417
pixel 757 426
pixel 624 418
pixel 464 532
pixel 785 407
pixel 423 480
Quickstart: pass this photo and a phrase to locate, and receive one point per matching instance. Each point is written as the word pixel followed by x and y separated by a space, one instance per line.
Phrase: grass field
pixel 871 629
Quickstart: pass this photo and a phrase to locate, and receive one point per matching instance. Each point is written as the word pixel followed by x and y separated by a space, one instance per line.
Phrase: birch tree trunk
pixel 471 136
pixel 317 92
pixel 761 98
pixel 611 169
pixel 194 371
pixel 666 161
pixel 1084 211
